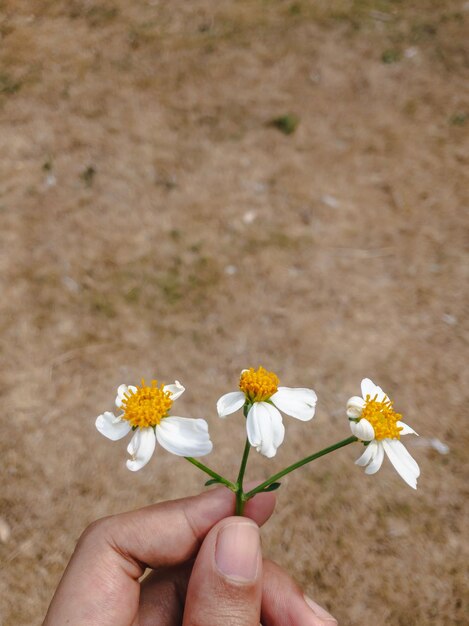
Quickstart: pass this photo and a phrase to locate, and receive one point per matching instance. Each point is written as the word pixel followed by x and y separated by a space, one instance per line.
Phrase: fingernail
pixel 319 611
pixel 237 551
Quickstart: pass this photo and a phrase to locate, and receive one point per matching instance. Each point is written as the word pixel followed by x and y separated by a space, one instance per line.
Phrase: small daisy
pixel 262 397
pixel 372 419
pixel 146 411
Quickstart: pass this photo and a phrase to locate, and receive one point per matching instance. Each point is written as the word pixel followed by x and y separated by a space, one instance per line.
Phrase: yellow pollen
pixel 258 385
pixel 147 406
pixel 383 418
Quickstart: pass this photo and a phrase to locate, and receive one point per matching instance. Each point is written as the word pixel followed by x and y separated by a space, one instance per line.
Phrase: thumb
pixel 226 582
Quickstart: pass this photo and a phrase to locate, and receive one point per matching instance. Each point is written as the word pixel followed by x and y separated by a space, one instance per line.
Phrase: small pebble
pixel 249 217
pixel 50 180
pixel 5 531
pixel 451 320
pixel 430 442
pixel 71 284
pixel 330 201
pixel 411 52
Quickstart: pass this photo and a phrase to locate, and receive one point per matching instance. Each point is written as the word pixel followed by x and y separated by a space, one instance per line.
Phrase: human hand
pixel 228 584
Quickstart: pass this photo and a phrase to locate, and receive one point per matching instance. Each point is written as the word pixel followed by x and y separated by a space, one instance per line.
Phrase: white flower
pixel 260 393
pixel 146 411
pixel 372 419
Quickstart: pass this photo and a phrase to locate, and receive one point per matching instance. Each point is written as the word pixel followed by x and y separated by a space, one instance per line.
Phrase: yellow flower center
pixel 383 418
pixel 258 385
pixel 147 406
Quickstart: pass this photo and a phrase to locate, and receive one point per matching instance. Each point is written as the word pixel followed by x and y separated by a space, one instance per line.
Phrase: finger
pixel 163 595
pixel 261 507
pixel 101 579
pixel 163 592
pixel 283 602
pixel 226 582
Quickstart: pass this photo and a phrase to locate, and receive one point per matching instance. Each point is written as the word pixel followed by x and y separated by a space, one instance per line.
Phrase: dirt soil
pixel 191 188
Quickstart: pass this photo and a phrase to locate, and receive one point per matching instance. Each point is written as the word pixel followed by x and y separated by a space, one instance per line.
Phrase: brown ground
pixel 155 223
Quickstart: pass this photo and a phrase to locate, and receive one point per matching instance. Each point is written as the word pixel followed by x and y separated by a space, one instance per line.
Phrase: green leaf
pixel 287 124
pixel 212 481
pixel 272 487
pixel 391 56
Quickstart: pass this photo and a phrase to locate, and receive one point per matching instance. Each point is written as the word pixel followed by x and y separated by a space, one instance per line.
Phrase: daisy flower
pixel 145 410
pixel 372 419
pixel 262 398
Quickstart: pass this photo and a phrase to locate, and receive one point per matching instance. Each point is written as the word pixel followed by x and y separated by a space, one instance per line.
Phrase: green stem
pixel 240 499
pixel 294 466
pixel 210 472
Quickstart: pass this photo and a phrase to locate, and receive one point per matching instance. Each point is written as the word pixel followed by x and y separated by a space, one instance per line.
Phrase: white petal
pixel 297 402
pixel 112 427
pixel 377 459
pixel 121 390
pixel 184 436
pixel 372 390
pixel 370 451
pixel 399 448
pixel 355 407
pixel 230 402
pixel 175 390
pixel 141 448
pixel 278 428
pixel 252 428
pixel 406 429
pixel 264 428
pixel 363 430
pixel 403 463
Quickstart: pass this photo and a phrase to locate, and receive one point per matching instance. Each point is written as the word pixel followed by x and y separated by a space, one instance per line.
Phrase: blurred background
pixel 191 188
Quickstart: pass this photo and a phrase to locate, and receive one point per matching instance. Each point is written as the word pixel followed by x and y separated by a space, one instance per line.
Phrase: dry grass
pixel 154 222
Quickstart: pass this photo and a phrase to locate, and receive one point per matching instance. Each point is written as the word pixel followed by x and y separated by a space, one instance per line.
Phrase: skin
pixel 206 569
